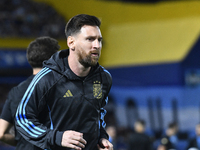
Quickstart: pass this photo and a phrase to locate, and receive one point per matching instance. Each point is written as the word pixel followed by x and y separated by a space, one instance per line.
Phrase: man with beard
pixel 62 108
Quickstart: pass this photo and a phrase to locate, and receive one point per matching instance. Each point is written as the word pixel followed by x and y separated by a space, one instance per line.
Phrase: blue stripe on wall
pixel 149 75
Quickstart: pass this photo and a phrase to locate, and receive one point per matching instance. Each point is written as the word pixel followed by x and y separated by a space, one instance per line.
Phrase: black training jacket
pixel 57 100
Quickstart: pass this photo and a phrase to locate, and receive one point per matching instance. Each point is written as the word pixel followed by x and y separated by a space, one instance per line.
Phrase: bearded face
pixel 90 59
pixel 88 44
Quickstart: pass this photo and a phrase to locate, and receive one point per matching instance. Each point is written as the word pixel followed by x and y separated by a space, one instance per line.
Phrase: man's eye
pixel 90 39
pixel 100 40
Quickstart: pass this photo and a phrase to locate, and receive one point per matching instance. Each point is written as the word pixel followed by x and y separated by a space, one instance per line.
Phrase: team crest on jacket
pixel 97 89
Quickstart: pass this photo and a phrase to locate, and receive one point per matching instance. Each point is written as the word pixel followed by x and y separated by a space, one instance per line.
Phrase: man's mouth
pixel 95 54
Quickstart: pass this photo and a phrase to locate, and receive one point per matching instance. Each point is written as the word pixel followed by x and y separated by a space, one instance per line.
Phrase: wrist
pixel 58 138
pixel 101 143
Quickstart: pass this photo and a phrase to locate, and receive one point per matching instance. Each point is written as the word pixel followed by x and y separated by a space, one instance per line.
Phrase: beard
pixel 87 60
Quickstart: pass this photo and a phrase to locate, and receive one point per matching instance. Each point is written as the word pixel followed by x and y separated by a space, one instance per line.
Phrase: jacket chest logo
pixel 97 89
pixel 68 94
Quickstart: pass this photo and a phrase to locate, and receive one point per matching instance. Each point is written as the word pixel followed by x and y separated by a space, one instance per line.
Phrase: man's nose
pixel 97 44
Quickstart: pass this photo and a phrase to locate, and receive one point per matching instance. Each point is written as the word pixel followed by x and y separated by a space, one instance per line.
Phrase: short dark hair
pixel 41 49
pixel 75 24
pixel 141 121
pixel 172 125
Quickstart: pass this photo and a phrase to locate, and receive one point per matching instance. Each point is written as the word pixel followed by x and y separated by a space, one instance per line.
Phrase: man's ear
pixel 70 42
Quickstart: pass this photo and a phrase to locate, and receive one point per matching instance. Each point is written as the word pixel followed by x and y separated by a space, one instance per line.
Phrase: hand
pixel 106 144
pixel 73 139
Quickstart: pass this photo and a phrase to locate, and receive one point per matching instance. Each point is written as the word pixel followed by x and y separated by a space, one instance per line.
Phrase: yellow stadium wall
pixel 135 34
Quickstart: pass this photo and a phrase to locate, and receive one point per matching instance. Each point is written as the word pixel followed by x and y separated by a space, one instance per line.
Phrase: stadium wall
pixel 144 47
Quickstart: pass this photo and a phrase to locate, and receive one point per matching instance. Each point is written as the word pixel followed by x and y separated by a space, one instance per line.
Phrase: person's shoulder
pixel 106 72
pixel 46 77
pixel 106 76
pixel 43 73
pixel 191 140
pixel 25 82
pixel 21 86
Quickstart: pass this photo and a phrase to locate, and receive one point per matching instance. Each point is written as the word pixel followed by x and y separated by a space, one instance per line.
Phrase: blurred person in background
pixel 139 140
pixel 162 147
pixel 193 148
pixel 170 139
pixel 195 142
pixel 112 132
pixel 38 50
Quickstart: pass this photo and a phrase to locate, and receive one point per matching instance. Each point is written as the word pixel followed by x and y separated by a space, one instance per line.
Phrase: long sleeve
pixel 102 125
pixel 27 119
